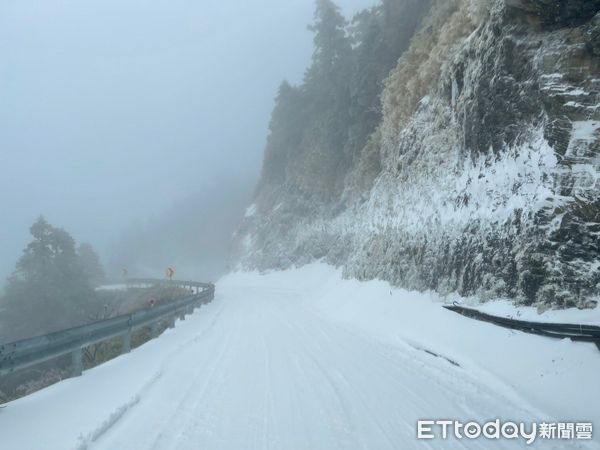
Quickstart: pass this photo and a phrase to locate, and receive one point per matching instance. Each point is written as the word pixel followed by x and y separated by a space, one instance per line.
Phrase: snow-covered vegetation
pixel 478 173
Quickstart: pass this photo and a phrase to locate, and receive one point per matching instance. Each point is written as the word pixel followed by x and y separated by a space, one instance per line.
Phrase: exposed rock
pixel 558 13
pixel 487 184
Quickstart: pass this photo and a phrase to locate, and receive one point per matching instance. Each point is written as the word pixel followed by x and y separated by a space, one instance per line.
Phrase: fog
pixel 121 116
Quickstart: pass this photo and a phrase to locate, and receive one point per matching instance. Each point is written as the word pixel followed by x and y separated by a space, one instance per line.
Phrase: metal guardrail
pixel 29 352
pixel 575 332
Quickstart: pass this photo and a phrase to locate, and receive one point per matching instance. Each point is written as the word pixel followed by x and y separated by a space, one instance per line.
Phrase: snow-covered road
pixel 268 366
pixel 270 374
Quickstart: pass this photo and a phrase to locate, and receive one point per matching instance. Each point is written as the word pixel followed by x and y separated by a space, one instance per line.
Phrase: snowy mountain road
pixel 262 368
pixel 269 374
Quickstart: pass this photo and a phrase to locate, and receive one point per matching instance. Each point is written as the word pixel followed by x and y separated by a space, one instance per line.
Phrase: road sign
pixel 170 273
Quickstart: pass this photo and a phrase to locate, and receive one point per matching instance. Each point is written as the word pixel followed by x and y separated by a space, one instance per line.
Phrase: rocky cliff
pixel 482 173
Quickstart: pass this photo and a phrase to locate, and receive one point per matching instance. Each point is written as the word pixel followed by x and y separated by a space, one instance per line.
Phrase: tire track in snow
pixel 272 374
pixel 349 410
pixel 349 342
pixel 86 441
pixel 140 399
pixel 187 406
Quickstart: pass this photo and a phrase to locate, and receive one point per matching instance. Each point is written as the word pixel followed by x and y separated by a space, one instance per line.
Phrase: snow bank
pixel 306 359
pixel 558 377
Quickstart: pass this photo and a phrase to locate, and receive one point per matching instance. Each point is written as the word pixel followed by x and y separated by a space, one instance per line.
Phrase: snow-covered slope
pixel 488 174
pixel 303 359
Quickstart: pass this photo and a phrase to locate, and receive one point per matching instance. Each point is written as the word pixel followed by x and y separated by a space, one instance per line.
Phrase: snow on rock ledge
pixel 489 177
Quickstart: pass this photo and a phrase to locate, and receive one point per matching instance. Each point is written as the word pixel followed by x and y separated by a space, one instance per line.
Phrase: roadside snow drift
pixel 302 359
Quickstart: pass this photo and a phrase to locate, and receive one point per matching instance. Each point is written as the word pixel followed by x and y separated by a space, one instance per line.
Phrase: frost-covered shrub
pixel 420 67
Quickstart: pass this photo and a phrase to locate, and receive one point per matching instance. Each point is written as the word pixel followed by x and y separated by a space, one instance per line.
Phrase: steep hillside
pixel 480 173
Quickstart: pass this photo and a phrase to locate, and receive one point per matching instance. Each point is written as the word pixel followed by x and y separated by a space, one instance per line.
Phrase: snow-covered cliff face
pixel 484 174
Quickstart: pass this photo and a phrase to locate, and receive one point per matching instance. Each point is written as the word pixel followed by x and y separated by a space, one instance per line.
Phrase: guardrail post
pixel 77 362
pixel 172 322
pixel 126 343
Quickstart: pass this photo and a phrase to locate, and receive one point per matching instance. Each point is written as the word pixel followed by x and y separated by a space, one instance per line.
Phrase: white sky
pixel 112 109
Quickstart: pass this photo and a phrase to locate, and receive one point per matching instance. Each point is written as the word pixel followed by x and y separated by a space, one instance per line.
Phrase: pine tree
pixel 49 288
pixel 319 129
pixel 380 36
pixel 332 46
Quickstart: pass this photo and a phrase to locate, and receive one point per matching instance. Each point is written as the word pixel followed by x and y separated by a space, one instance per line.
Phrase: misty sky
pixel 111 110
